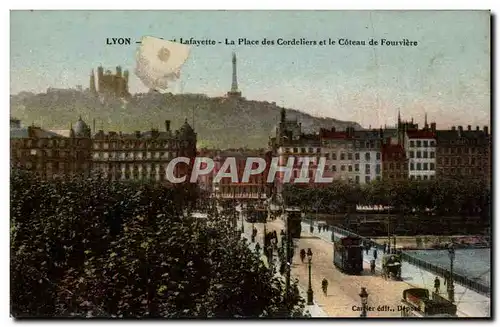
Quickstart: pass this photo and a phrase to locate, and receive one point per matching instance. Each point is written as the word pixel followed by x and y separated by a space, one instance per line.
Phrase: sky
pixel 447 75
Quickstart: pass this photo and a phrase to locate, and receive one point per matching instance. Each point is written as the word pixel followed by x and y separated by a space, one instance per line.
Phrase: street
pixel 342 298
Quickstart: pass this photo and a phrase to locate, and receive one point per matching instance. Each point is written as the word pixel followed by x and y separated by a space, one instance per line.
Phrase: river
pixel 472 263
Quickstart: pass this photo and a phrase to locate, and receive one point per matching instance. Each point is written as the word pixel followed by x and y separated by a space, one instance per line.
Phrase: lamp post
pixel 309 290
pixel 364 301
pixel 450 286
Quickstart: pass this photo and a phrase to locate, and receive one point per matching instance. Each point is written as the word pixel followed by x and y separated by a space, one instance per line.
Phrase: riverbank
pixel 428 242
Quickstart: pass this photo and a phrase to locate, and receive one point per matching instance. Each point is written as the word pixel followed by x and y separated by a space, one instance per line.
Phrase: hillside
pixel 219 122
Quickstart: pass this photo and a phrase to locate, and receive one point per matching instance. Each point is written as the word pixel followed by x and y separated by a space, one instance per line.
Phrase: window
pixel 378 155
pixel 349 168
pixel 327 156
pixel 419 166
pixel 287 150
pixel 367 156
pixel 412 166
pixel 302 150
pixel 431 166
pixel 334 156
pixel 426 144
pixel 377 169
pixel 349 156
pixel 412 154
pixel 357 179
pixel 367 169
pixel 426 166
pixel 425 177
pixel 419 144
pixel 334 168
pixel 367 179
pixel 432 143
pixel 295 150
pixel 419 154
pixel 356 156
pixel 425 154
pixel 391 166
pixel 432 154
pixel 311 150
pixel 356 167
pixel 318 150
pixel 342 156
pixel 342 167
pixel 412 144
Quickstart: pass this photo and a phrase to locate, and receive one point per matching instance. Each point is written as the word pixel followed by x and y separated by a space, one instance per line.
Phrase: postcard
pixel 250 164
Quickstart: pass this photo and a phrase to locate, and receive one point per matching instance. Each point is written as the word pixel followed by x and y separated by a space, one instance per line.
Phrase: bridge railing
pixel 458 278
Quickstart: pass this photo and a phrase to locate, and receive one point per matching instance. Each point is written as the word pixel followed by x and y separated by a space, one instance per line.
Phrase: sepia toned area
pixel 392 107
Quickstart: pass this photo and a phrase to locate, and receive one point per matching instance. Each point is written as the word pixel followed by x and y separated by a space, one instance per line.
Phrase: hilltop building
pixel 109 84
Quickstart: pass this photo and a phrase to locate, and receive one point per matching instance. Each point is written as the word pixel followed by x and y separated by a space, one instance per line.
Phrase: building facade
pixel 108 84
pixel 48 154
pixel 464 154
pixel 256 187
pixel 144 155
pixel 394 162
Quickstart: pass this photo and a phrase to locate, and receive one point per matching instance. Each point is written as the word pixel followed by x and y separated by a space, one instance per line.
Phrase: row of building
pixel 358 156
pixel 403 152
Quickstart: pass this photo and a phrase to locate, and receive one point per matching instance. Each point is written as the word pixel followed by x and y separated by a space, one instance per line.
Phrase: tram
pixel 348 255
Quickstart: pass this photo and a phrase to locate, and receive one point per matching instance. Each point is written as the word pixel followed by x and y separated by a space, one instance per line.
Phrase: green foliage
pixel 219 123
pixel 450 197
pixel 88 247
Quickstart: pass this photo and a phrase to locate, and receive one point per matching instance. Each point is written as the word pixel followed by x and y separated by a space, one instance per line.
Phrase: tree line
pixel 451 197
pixel 88 247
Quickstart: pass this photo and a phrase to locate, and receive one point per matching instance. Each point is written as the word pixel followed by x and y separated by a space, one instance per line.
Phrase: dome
pixel 81 128
pixel 186 130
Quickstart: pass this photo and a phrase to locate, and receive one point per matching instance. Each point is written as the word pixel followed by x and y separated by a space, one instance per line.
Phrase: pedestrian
pixel 375 253
pixel 437 284
pixel 324 286
pixel 257 247
pixel 302 255
pixel 372 266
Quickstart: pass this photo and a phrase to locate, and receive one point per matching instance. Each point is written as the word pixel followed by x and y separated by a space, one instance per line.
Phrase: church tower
pixel 235 93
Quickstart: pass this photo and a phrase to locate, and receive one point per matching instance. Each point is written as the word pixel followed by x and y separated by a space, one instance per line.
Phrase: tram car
pixel 348 255
pixel 294 221
pixel 417 303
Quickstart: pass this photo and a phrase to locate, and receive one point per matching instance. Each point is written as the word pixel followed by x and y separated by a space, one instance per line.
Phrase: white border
pixel 185 4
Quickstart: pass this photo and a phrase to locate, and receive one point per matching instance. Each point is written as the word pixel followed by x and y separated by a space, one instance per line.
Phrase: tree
pixel 91 247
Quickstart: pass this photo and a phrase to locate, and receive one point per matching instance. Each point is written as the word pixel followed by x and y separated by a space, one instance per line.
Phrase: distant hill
pixel 219 122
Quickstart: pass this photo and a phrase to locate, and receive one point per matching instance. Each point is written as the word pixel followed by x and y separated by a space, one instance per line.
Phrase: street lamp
pixel 450 286
pixel 309 290
pixel 364 301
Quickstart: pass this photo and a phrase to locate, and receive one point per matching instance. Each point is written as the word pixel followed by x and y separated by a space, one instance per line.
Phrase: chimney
pixel 433 127
pixel 138 134
pixel 167 125
pixel 453 128
pixel 460 128
pixel 485 129
pixel 469 127
pixel 477 128
pixel 381 132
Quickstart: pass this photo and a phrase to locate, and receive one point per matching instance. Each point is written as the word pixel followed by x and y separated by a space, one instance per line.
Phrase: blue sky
pixel 447 75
